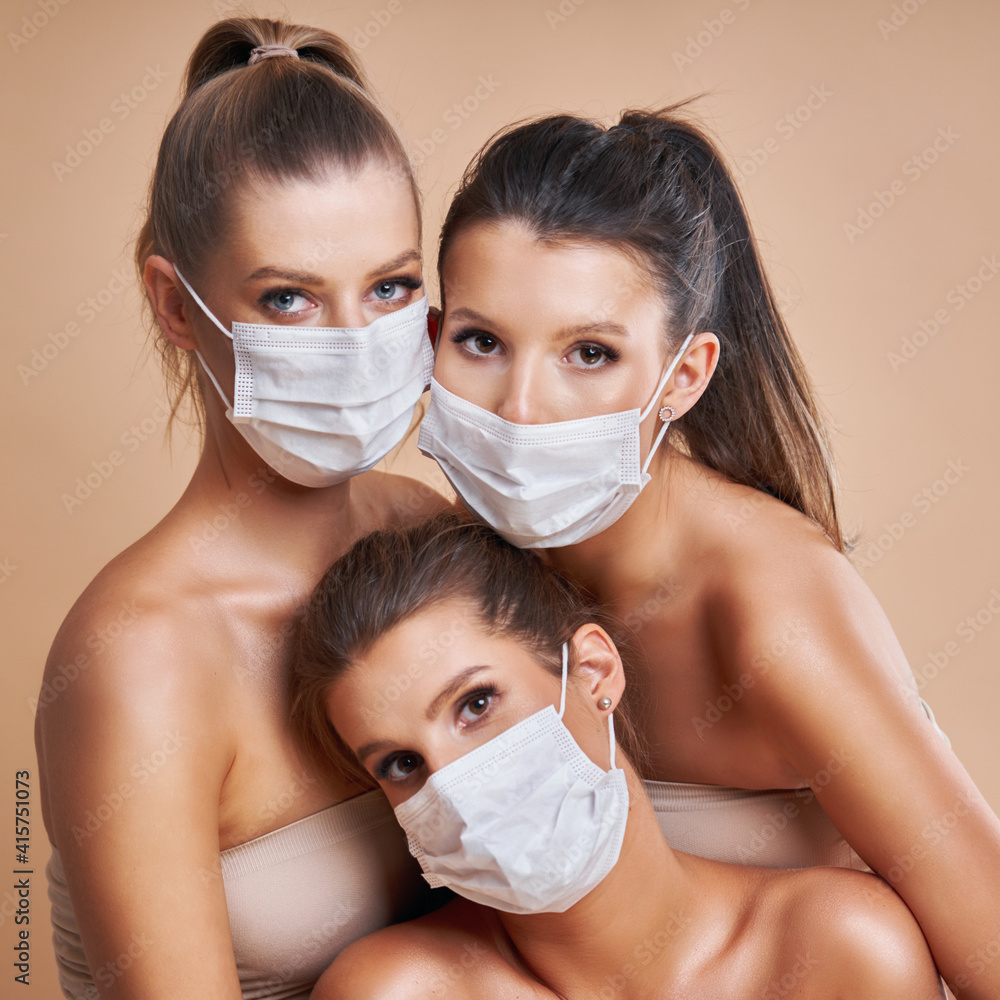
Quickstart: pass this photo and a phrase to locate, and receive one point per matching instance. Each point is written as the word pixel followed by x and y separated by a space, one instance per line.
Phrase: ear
pixel 169 303
pixel 597 662
pixel 692 374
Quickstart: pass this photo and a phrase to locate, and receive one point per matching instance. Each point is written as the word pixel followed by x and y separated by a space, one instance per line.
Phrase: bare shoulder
pixel 452 952
pixel 139 660
pixel 139 628
pixel 849 934
pixel 401 499
pixel 782 595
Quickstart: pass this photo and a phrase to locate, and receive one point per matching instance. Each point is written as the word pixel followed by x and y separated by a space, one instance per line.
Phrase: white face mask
pixel 323 404
pixel 525 823
pixel 540 485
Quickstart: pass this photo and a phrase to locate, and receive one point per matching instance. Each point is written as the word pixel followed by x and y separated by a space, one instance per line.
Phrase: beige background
pixel 881 94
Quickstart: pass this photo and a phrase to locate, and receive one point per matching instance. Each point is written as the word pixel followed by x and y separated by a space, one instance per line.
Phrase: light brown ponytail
pixel 281 118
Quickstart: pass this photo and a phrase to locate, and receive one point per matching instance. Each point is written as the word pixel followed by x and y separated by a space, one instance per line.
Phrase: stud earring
pixel 604 703
pixel 667 413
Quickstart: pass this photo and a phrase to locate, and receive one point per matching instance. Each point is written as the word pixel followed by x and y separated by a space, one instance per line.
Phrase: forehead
pixel 488 257
pixel 390 686
pixel 368 215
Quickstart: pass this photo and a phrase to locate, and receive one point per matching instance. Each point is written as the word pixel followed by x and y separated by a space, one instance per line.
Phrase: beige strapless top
pixel 296 897
pixel 775 828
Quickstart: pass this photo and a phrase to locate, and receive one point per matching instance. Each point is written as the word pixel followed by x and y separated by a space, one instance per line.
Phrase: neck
pixel 629 931
pixel 643 547
pixel 237 507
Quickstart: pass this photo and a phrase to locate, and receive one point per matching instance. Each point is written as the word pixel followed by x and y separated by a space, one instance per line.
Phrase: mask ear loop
pixel 198 354
pixel 205 309
pixel 565 671
pixel 656 396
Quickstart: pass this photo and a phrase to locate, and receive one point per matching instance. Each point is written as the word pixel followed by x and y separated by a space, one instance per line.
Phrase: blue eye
pixel 396 289
pixel 285 300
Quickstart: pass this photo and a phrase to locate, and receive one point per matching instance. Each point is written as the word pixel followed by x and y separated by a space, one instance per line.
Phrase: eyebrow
pixel 363 753
pixel 455 684
pixel 308 278
pixel 466 315
pixel 407 257
pixel 296 277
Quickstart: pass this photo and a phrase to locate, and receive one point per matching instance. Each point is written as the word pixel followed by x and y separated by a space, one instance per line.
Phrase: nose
pixel 522 399
pixel 349 313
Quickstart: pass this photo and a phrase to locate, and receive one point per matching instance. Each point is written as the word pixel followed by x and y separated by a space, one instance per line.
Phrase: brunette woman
pixel 614 384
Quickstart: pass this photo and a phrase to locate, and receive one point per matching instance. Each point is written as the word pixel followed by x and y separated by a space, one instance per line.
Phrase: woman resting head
pixel 478 688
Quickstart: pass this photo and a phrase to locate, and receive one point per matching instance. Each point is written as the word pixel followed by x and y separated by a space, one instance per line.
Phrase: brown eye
pixel 591 356
pixel 476 705
pixel 485 343
pixel 398 767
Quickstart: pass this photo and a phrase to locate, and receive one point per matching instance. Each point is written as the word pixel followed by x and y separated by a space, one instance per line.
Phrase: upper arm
pixel 874 947
pixel 133 759
pixel 387 965
pixel 840 712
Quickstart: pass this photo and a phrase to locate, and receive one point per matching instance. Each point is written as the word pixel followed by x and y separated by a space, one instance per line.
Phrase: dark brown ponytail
pixel 655 186
pixel 281 118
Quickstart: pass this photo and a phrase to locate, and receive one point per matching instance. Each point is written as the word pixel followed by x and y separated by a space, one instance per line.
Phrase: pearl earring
pixel 605 702
pixel 667 413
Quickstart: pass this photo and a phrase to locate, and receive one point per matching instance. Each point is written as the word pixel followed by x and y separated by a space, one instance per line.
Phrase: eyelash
pixel 485 691
pixel 381 771
pixel 266 300
pixel 461 336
